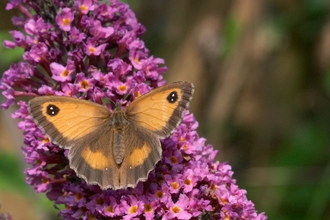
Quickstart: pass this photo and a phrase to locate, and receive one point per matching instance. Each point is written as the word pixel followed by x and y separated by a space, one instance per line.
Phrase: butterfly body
pixel 113 149
pixel 118 123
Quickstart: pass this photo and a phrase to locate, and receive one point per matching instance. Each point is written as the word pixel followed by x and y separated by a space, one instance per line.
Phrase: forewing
pixel 65 120
pixel 161 110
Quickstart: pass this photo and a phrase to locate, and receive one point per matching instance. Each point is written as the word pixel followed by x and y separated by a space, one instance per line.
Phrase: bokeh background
pixel 261 71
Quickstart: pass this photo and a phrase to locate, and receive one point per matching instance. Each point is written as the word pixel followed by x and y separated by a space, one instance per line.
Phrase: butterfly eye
pixel 52 110
pixel 172 97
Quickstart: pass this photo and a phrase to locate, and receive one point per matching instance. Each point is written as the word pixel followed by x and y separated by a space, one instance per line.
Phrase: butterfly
pixel 113 149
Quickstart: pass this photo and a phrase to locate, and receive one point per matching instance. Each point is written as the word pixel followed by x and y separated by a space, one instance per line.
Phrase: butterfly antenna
pixel 126 95
pixel 112 103
pixel 118 103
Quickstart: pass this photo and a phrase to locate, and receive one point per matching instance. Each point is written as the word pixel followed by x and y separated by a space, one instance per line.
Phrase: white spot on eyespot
pixel 130 167
pixel 106 169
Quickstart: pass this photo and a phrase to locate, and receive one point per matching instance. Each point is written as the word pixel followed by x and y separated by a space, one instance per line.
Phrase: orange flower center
pixel 147 207
pixel 110 209
pixel 137 94
pixel 92 49
pixel 122 88
pixel 213 186
pixel 137 60
pixel 84 84
pixel 213 190
pixel 83 7
pixel 175 185
pixel 78 196
pixel 159 194
pixel 99 201
pixel 173 160
pixel 187 181
pixel 65 73
pixel 91 217
pixel 176 209
pixel 45 140
pixel 66 21
pixel 133 209
pixel 44 180
pixel 224 201
pixel 39 162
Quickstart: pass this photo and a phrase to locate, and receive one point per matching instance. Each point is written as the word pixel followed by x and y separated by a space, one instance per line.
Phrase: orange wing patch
pixel 139 155
pixel 96 160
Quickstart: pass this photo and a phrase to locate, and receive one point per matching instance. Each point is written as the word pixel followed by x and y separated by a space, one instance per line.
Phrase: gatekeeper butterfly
pixel 113 149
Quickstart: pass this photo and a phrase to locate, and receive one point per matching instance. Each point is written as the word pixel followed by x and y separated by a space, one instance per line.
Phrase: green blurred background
pixel 262 75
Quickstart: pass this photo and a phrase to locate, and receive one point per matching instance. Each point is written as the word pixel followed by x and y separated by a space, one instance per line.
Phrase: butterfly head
pixel 119 120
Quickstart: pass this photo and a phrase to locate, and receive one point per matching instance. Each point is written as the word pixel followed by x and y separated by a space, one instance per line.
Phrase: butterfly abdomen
pixel 118 146
pixel 118 124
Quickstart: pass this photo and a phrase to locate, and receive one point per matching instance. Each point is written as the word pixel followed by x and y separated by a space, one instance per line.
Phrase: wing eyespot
pixel 52 110
pixel 172 97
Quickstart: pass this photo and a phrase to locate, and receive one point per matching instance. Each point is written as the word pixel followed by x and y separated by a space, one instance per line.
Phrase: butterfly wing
pixel 161 110
pixel 65 120
pixel 81 126
pixel 92 159
pixel 142 152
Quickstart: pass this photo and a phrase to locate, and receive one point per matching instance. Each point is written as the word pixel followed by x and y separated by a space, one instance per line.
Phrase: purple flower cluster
pixel 92 50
